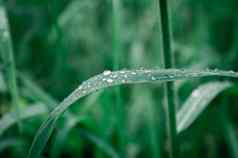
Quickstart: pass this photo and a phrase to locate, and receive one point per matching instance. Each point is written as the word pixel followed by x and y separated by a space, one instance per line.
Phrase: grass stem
pixel 229 131
pixel 116 47
pixel 6 51
pixel 169 91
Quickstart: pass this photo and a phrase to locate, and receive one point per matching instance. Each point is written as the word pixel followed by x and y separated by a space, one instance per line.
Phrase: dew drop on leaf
pixel 109 80
pixel 107 72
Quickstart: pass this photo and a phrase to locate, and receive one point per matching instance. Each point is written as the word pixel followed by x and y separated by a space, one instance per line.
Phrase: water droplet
pixel 171 76
pixel 153 78
pixel 107 72
pixel 147 71
pixel 195 94
pixel 114 76
pixel 133 73
pixel 109 80
pixel 231 71
pixel 123 81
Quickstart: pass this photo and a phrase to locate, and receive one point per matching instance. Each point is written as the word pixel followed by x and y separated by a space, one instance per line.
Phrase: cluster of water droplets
pixel 109 78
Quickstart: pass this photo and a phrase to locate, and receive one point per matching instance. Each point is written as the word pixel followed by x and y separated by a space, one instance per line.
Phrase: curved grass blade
pixel 197 102
pixel 6 52
pixel 71 121
pixel 104 146
pixel 9 119
pixel 109 79
pixel 62 135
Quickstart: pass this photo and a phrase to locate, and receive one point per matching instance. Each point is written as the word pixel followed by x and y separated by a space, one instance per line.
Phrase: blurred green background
pixel 60 43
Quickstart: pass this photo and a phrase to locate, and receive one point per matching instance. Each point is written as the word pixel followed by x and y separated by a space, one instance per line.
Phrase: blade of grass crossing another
pixel 109 79
pixel 117 54
pixel 116 33
pixel 169 89
pixel 6 51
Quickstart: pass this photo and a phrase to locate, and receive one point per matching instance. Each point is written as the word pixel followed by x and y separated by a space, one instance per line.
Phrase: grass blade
pixel 3 86
pixel 197 102
pixel 117 54
pixel 116 33
pixel 152 122
pixel 104 146
pixel 109 79
pixel 229 131
pixel 9 119
pixel 169 90
pixel 6 51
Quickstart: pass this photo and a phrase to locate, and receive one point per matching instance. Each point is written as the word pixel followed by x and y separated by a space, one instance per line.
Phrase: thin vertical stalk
pixel 116 47
pixel 153 132
pixel 169 91
pixel 6 51
pixel 229 131
pixel 59 45
pixel 116 39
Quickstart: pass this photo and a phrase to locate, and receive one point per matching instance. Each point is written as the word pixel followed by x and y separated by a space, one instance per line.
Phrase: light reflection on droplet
pixel 107 72
pixel 195 94
pixel 109 80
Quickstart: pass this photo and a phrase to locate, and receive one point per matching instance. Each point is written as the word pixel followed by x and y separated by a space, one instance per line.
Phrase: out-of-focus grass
pixel 59 44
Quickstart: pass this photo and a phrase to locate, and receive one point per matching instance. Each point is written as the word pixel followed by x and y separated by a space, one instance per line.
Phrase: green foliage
pixel 7 56
pixel 47 48
pixel 108 79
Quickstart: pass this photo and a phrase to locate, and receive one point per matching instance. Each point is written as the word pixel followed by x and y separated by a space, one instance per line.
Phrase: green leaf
pixel 109 79
pixel 6 53
pixel 10 119
pixel 71 121
pixel 197 102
